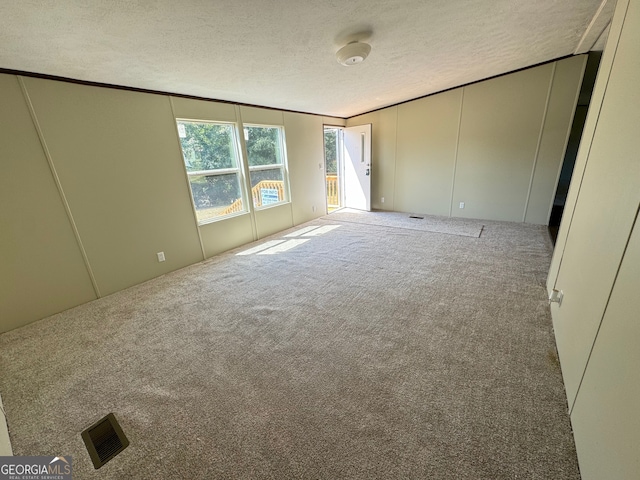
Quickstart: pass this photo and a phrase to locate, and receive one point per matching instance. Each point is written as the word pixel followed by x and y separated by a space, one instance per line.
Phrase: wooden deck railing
pixel 333 198
pixel 233 208
pixel 270 184
pixel 277 185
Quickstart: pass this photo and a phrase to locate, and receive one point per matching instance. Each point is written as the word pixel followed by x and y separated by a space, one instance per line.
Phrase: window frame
pixel 238 170
pixel 283 166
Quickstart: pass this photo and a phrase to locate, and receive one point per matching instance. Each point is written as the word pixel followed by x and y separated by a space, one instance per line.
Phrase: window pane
pixel 331 150
pixel 263 145
pixel 267 186
pixel 216 195
pixel 207 146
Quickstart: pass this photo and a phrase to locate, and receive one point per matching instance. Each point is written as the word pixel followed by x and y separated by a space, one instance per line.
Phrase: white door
pixel 357 167
pixel 607 405
pixel 605 212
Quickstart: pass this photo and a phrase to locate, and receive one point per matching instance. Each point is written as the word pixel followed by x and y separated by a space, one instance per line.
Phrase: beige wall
pixel 107 189
pixel 334 121
pixel 496 145
pixel 273 219
pixel 595 265
pixel 305 154
pixel 605 198
pixel 86 205
pixel 43 270
pixel 499 133
pixel 605 416
pixel 560 113
pixel 118 159
pixel 427 139
pixel 218 237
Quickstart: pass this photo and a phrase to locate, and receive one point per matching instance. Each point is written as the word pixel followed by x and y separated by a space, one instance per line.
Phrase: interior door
pixel 605 418
pixel 604 215
pixel 357 167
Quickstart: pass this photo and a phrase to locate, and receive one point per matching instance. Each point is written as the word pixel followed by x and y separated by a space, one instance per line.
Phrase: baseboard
pixel 5 444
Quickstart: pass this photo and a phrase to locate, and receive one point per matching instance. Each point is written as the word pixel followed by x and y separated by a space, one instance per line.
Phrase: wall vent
pixel 104 440
pixel 416 216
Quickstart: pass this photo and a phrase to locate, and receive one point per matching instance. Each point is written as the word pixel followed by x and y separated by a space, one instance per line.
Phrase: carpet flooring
pixel 411 221
pixel 335 350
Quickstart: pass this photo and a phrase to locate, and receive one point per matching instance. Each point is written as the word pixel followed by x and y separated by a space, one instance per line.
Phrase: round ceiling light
pixel 353 53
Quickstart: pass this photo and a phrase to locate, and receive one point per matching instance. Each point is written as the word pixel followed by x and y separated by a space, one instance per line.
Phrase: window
pixel 211 158
pixel 265 152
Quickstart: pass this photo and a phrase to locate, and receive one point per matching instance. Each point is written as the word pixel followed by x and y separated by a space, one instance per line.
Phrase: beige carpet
pixel 355 351
pixel 411 221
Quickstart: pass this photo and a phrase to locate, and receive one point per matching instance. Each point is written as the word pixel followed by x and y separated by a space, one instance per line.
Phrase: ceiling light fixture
pixel 353 53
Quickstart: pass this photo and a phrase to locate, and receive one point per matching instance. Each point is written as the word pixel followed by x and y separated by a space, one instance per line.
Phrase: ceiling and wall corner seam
pixel 587 32
pixel 481 80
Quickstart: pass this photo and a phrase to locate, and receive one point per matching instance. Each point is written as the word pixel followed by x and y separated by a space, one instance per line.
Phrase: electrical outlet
pixel 382 199
pixel 161 256
pixel 461 204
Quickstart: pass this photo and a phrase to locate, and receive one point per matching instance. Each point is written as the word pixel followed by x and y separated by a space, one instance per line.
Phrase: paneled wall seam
pixel 586 163
pixel 395 163
pixel 540 134
pixel 244 163
pixel 455 155
pixel 566 140
pixel 58 184
pixel 186 178
pixel 604 311
pixel 288 183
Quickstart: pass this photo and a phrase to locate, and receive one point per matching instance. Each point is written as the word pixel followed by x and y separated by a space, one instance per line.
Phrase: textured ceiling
pixel 281 53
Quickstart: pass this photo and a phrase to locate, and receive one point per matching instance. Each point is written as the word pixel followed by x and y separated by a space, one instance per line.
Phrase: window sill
pixel 271 205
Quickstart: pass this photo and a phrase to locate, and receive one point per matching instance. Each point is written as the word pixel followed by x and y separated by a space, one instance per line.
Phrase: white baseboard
pixel 5 444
